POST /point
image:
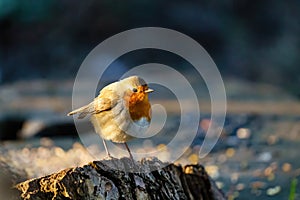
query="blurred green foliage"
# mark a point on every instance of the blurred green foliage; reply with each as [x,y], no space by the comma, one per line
[292,195]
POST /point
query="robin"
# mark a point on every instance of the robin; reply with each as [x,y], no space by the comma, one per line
[121,111]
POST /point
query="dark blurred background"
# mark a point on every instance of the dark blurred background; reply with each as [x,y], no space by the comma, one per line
[255,44]
[253,40]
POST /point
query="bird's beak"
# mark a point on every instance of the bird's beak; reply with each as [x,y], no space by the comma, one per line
[149,90]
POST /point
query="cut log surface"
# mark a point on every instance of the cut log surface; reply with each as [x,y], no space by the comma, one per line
[111,179]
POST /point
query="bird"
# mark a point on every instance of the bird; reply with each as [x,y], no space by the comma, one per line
[120,111]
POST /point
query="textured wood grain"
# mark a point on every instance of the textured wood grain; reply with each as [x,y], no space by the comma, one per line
[110,179]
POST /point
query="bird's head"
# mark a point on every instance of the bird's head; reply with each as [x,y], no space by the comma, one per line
[136,96]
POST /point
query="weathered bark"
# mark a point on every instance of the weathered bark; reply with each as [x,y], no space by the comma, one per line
[110,179]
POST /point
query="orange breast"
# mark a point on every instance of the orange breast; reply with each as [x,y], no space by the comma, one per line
[139,106]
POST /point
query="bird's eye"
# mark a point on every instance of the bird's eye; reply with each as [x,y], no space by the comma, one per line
[134,90]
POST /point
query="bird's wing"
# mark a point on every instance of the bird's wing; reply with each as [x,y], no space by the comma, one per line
[106,100]
[101,104]
[95,107]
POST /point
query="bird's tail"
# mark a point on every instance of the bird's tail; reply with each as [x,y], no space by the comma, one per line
[83,111]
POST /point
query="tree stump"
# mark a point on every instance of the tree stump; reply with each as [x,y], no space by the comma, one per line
[110,179]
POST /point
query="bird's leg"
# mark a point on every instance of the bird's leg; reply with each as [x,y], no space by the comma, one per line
[106,149]
[129,151]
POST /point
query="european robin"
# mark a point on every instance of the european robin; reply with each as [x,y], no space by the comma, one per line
[121,110]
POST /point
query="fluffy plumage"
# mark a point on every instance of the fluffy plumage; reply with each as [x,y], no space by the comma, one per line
[121,110]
